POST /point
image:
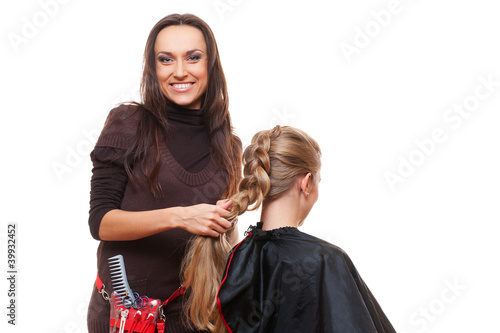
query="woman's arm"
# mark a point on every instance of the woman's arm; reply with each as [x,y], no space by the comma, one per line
[202,219]
[108,222]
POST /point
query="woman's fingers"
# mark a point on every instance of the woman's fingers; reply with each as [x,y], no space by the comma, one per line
[208,220]
[205,230]
[224,204]
[208,227]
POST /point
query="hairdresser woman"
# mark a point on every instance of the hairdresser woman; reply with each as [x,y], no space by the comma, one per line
[161,166]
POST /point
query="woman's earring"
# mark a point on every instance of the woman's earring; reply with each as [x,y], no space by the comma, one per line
[307,194]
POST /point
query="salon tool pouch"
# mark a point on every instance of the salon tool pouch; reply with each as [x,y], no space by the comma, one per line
[131,320]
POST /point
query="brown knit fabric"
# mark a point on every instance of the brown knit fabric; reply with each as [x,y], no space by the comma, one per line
[152,263]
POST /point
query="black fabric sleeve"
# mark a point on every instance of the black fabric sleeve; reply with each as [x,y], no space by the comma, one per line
[378,316]
[107,185]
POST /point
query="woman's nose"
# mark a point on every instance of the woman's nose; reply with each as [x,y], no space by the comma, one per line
[180,70]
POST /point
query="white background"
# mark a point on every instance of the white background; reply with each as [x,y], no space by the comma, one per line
[426,246]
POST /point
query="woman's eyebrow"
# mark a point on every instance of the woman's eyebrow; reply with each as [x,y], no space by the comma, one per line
[193,51]
[187,52]
[164,52]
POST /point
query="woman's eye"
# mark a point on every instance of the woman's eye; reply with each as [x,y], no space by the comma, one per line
[164,60]
[193,57]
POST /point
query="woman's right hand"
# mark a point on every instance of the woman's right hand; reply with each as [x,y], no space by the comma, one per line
[205,219]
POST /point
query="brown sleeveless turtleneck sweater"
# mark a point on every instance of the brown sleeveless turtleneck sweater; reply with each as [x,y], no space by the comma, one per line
[188,176]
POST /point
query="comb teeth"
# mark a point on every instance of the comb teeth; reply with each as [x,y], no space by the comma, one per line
[119,277]
[117,300]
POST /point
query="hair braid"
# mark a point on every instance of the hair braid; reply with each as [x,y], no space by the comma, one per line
[272,162]
[256,181]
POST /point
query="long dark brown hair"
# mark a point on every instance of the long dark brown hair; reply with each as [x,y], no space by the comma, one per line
[225,145]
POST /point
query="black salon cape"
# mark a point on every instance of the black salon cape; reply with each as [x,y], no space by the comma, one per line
[284,280]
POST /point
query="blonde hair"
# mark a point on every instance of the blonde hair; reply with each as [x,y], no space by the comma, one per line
[272,163]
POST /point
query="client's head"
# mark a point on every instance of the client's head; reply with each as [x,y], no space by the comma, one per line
[278,161]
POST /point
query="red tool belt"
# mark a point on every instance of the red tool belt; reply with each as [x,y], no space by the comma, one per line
[142,317]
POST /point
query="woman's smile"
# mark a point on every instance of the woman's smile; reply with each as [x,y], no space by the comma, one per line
[181,87]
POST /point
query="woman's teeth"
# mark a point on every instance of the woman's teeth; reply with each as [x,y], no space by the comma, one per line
[181,86]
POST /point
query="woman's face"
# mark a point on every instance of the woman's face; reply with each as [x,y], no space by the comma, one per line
[181,65]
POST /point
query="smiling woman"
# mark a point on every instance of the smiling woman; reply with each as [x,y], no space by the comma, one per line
[153,163]
[182,65]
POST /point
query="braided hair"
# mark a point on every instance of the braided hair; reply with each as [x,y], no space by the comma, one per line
[272,163]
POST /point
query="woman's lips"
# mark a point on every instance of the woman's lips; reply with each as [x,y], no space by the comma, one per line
[182,87]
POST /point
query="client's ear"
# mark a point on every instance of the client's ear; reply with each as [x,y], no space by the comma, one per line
[306,183]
